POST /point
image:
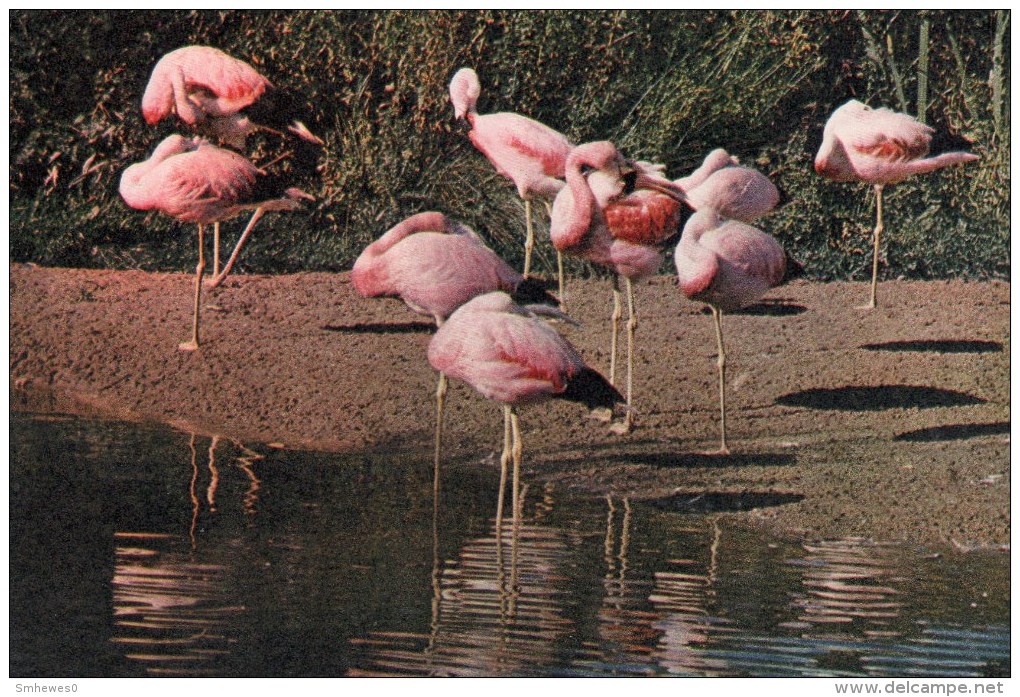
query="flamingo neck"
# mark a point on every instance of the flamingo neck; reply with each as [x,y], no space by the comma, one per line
[574,226]
[369,274]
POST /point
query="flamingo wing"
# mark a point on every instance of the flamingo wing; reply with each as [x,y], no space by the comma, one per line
[889,135]
[197,186]
[643,217]
[754,253]
[516,144]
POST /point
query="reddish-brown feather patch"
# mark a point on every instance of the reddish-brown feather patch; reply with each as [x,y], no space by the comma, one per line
[643,218]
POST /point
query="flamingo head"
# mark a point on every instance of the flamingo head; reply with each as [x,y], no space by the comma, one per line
[464,92]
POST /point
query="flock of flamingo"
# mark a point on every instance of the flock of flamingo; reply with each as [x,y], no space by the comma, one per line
[603,207]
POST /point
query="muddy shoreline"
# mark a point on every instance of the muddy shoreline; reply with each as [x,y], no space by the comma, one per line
[891,424]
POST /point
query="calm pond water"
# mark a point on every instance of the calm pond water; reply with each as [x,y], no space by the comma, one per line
[145,551]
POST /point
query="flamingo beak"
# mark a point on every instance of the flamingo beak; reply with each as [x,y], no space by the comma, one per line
[662,185]
[301,131]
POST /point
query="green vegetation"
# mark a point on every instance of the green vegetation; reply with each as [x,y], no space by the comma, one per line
[665,86]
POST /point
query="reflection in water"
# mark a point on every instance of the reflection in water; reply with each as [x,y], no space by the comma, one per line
[498,609]
[850,581]
[206,558]
[172,606]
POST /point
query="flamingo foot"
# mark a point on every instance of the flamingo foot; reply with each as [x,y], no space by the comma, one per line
[868,306]
[188,346]
[621,428]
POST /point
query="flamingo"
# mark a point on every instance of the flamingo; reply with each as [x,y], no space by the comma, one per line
[736,192]
[221,97]
[527,152]
[596,218]
[728,265]
[212,91]
[509,355]
[878,147]
[196,182]
[435,265]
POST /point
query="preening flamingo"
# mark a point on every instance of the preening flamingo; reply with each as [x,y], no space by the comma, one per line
[525,151]
[728,265]
[435,265]
[878,147]
[194,181]
[618,214]
[509,355]
[222,98]
[736,192]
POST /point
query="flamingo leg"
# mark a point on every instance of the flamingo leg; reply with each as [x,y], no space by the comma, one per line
[717,315]
[628,421]
[504,460]
[199,270]
[440,400]
[559,265]
[879,228]
[615,318]
[216,248]
[517,451]
[221,276]
[529,241]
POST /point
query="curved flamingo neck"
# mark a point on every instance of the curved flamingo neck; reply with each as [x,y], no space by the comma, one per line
[580,214]
[369,273]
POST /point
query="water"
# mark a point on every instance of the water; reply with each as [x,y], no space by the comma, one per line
[144,551]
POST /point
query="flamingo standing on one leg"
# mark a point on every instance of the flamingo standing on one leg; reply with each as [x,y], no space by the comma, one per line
[435,265]
[596,218]
[196,182]
[221,97]
[525,151]
[878,147]
[736,192]
[509,355]
[726,264]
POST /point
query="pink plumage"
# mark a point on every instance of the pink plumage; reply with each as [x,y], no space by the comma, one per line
[196,182]
[878,146]
[511,356]
[728,265]
[736,192]
[596,219]
[529,153]
[435,265]
[617,214]
[209,90]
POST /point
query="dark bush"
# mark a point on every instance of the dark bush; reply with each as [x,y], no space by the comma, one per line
[665,86]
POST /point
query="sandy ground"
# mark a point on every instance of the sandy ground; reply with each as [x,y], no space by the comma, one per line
[891,424]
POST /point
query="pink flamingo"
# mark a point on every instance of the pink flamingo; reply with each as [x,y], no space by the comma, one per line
[525,151]
[878,147]
[211,90]
[196,182]
[728,265]
[220,96]
[736,192]
[509,355]
[596,218]
[435,265]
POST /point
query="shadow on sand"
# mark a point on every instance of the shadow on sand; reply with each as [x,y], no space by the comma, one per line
[938,346]
[954,432]
[382,328]
[857,398]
